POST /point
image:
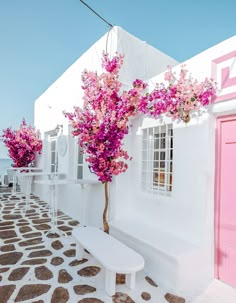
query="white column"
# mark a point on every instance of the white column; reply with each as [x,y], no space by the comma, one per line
[110,282]
[13,182]
[79,251]
[27,190]
[130,280]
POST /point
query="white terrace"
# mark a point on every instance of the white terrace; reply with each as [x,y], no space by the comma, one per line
[39,266]
[174,228]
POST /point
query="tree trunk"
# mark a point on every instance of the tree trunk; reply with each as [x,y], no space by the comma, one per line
[105,223]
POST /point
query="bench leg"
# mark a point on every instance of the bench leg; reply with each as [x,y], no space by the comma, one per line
[130,280]
[110,282]
[79,251]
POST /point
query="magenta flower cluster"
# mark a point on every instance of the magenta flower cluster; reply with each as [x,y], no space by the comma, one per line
[181,94]
[104,120]
[23,144]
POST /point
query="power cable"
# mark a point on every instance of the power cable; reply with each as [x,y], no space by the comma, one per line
[97,14]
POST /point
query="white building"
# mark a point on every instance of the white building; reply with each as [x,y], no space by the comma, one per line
[185,230]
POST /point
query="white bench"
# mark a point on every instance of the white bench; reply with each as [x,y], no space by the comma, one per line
[115,256]
[172,262]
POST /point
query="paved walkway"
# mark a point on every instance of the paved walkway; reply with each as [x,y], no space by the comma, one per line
[217,292]
[35,268]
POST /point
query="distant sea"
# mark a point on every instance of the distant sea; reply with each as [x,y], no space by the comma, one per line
[4,164]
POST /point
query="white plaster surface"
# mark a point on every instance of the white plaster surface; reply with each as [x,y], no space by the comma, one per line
[187,214]
[217,292]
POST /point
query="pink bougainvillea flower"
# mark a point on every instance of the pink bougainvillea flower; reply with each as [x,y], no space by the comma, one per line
[183,93]
[23,144]
[103,121]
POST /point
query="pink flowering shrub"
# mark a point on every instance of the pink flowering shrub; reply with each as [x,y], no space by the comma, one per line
[103,121]
[180,95]
[23,144]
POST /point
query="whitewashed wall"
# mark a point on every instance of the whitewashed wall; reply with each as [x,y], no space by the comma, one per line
[188,213]
[141,61]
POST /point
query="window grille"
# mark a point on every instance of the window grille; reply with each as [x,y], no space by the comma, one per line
[53,154]
[157,159]
[79,167]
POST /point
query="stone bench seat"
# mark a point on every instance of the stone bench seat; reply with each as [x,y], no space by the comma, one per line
[168,257]
[154,236]
[112,254]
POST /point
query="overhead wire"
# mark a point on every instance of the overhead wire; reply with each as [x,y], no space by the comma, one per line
[89,7]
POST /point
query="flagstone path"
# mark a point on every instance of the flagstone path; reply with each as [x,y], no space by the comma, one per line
[35,268]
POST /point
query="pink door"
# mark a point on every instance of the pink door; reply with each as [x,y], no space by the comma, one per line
[225,218]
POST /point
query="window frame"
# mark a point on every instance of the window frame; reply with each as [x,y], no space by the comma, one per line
[53,164]
[157,158]
[78,160]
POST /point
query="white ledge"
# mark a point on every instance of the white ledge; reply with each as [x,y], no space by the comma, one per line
[81,182]
[86,181]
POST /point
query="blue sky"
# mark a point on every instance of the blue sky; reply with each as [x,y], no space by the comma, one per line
[40,39]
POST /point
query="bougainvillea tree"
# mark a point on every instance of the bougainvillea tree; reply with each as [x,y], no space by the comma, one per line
[23,144]
[103,122]
[178,96]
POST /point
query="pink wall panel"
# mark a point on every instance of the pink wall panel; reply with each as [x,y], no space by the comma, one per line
[225,227]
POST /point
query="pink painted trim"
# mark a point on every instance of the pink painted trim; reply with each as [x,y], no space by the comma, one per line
[217,188]
[214,76]
[225,57]
[216,193]
[226,81]
[225,97]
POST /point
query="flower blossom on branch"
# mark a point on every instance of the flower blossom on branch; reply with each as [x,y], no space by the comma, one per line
[23,144]
[180,95]
[103,121]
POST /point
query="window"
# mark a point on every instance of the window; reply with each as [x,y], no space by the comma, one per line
[157,159]
[53,153]
[79,167]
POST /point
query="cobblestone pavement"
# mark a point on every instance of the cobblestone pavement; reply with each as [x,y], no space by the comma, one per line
[39,267]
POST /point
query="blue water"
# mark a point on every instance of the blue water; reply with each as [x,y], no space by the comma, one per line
[4,164]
